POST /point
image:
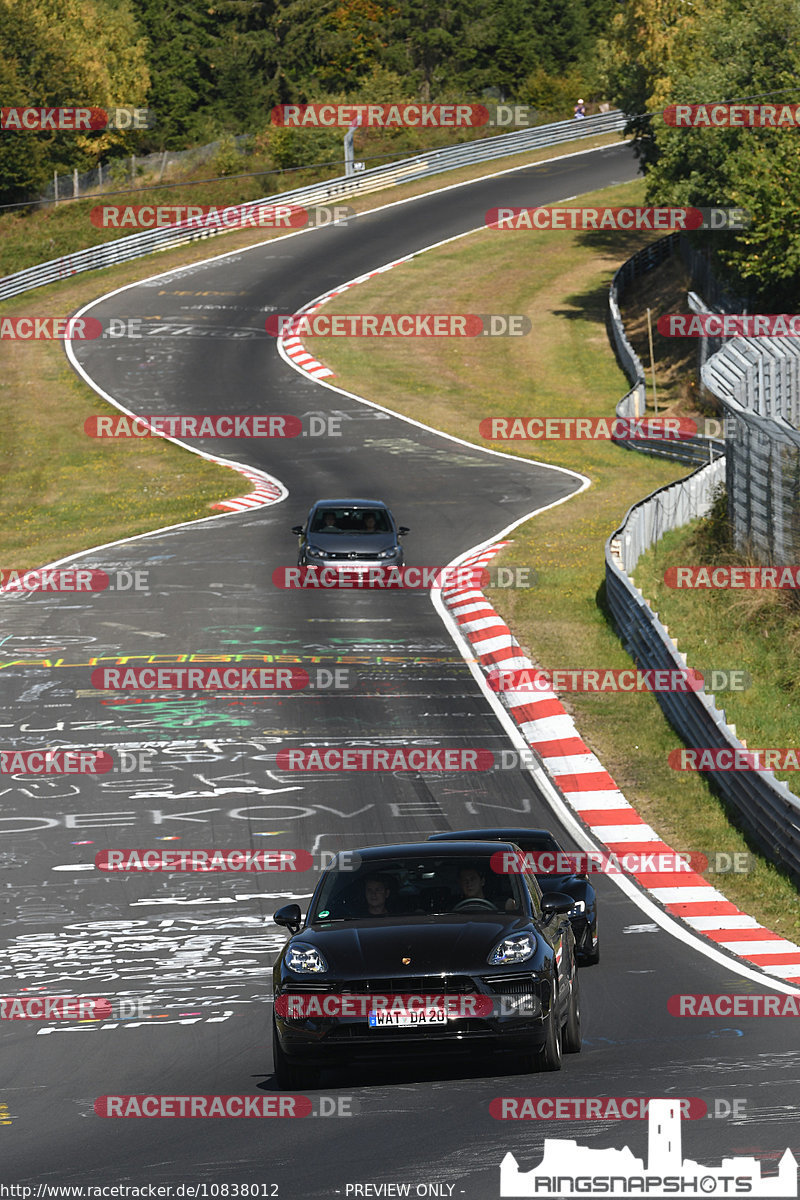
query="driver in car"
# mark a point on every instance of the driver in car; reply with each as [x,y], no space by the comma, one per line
[376,893]
[471,882]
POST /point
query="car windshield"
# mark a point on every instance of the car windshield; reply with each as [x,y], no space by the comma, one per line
[350,520]
[418,886]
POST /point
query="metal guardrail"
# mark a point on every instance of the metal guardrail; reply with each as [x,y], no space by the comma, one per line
[339,189]
[765,807]
[694,450]
[758,382]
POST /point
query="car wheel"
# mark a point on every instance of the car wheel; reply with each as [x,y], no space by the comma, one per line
[571,1038]
[591,957]
[549,1057]
[289,1076]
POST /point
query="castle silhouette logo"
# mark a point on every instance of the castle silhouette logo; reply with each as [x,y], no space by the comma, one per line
[568,1170]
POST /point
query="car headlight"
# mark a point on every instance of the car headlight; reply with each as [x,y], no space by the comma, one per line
[514,949]
[317,552]
[578,907]
[393,553]
[304,959]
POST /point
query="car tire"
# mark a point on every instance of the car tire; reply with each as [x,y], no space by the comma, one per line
[549,1057]
[591,957]
[571,1037]
[289,1076]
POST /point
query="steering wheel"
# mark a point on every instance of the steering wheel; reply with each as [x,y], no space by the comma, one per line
[474,902]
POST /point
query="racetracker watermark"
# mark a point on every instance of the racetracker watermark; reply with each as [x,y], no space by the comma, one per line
[380,758]
[730,758]
[210,218]
[190,679]
[733,1004]
[402,325]
[73,579]
[601,1108]
[351,574]
[726,116]
[617,679]
[55,762]
[581,429]
[733,578]
[203,1106]
[404,115]
[729,325]
[74,120]
[582,679]
[596,862]
[210,425]
[54,1008]
[628,219]
[259,861]
[49,329]
[303,1006]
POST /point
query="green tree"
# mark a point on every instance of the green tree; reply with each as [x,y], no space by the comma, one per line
[737,50]
[67,53]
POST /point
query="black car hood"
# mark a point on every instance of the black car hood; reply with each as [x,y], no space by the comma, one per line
[442,945]
[352,543]
[560,883]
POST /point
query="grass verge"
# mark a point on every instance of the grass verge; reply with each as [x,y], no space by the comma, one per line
[565,367]
[62,491]
[28,238]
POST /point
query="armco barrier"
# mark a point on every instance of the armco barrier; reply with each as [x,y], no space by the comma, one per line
[694,450]
[758,382]
[764,806]
[339,189]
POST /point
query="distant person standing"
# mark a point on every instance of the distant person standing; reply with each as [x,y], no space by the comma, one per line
[580,111]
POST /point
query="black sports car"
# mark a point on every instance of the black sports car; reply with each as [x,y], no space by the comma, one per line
[583,913]
[350,532]
[425,949]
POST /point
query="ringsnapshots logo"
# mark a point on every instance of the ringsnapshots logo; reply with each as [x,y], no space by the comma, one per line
[74,120]
[629,219]
[583,429]
[569,1170]
[398,325]
[729,116]
[213,219]
[729,325]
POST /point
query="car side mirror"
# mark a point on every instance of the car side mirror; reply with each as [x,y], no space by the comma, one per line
[298,529]
[555,902]
[290,916]
[401,529]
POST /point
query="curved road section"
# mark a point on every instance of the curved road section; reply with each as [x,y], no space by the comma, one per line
[185,959]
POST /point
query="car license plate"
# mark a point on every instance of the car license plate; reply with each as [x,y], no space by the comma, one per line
[380,1018]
